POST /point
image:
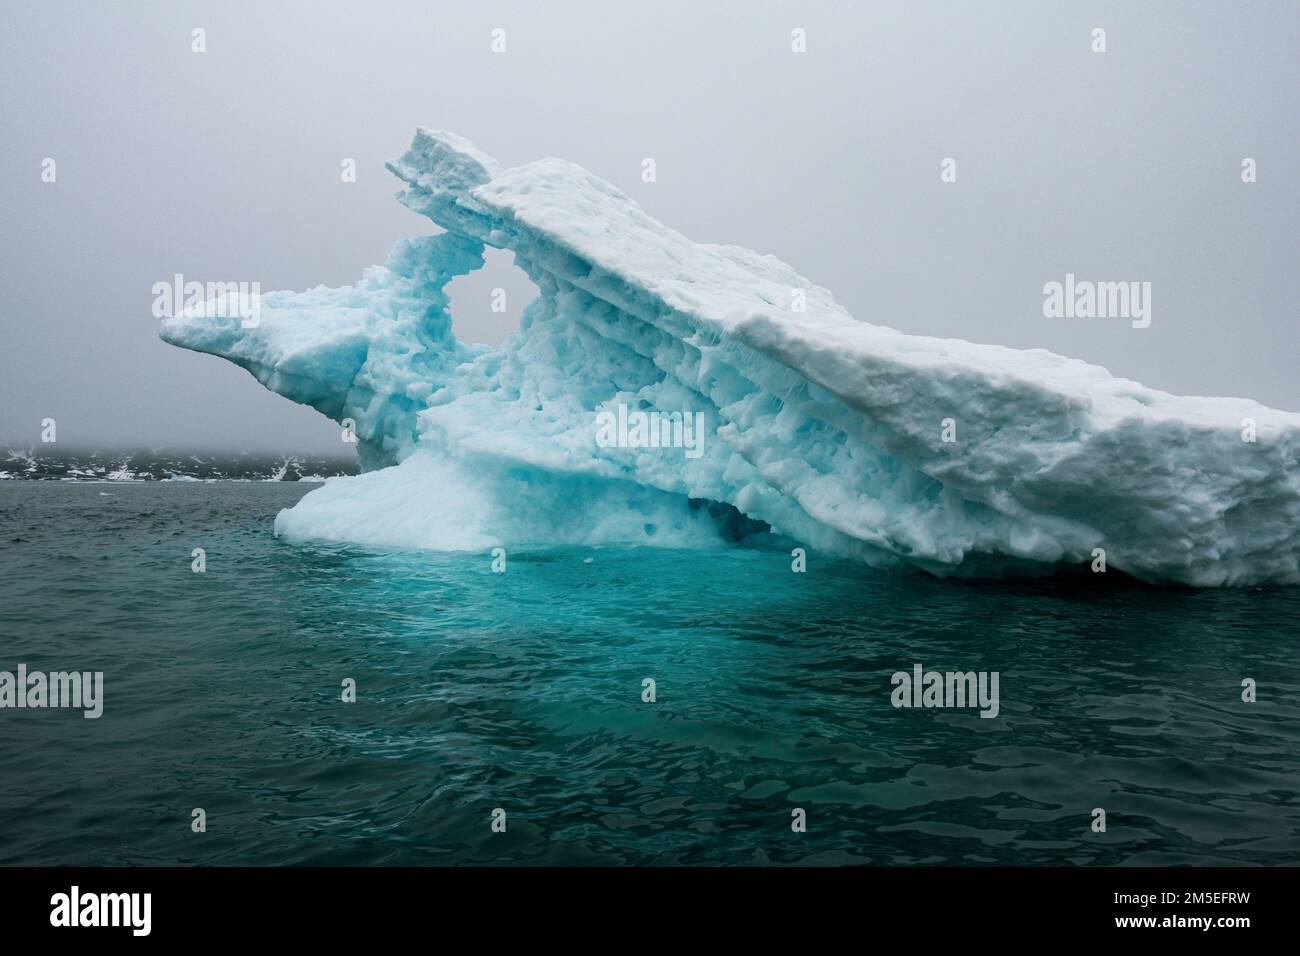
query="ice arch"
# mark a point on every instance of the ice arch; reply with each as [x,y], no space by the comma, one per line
[825,430]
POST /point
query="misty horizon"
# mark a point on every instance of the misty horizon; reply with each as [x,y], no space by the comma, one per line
[1122,166]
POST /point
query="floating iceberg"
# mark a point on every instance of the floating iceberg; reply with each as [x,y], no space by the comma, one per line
[810,428]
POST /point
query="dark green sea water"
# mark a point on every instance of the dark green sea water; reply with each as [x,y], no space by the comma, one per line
[523,691]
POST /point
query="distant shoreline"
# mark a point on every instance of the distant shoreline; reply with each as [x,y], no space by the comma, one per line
[120,467]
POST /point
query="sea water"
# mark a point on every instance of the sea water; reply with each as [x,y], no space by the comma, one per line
[525,692]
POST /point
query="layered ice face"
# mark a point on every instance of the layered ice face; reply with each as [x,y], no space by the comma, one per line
[667,392]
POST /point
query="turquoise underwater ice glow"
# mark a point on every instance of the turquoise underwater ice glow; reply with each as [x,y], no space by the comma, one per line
[853,439]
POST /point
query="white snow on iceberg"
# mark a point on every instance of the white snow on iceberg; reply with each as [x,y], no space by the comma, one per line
[818,430]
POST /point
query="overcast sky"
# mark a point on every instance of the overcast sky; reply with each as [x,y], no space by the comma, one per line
[1123,165]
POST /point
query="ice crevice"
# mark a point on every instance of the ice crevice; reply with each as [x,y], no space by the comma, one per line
[818,431]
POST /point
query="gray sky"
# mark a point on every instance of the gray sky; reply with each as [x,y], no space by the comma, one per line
[225,166]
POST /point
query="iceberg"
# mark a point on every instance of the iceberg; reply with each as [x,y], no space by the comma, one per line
[806,427]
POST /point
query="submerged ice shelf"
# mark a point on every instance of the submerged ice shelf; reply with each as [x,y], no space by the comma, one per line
[817,429]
